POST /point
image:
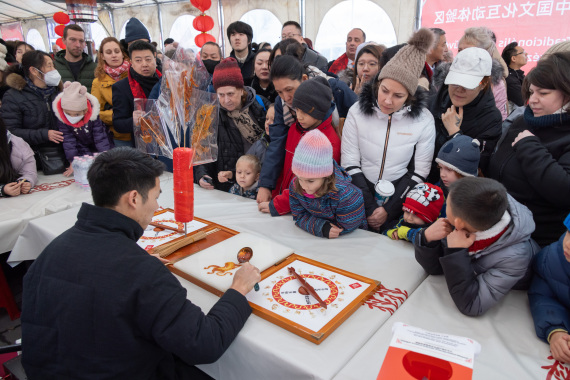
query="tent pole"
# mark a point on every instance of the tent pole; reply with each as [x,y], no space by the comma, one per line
[221,24]
[160,25]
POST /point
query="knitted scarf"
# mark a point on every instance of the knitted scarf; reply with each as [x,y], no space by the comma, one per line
[554,120]
[116,73]
[43,92]
[141,86]
[289,115]
[246,125]
[485,238]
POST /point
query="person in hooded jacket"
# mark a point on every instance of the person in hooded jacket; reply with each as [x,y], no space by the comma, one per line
[465,104]
[483,247]
[241,123]
[389,134]
[533,158]
[27,106]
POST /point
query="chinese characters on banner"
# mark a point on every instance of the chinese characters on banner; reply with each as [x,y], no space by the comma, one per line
[534,24]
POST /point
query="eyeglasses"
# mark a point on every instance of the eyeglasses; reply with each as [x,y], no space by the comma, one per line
[522,52]
[285,36]
[371,65]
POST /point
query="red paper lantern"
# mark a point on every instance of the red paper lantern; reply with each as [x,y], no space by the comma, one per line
[202,38]
[59,30]
[203,23]
[202,5]
[61,18]
[59,42]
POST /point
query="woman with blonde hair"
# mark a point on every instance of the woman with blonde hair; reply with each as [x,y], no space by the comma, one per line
[481,37]
[112,65]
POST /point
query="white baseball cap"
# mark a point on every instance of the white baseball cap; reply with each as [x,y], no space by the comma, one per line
[469,67]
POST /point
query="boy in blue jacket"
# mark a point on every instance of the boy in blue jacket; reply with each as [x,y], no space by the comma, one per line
[549,295]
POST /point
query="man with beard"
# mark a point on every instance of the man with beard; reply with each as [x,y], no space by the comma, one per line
[72,63]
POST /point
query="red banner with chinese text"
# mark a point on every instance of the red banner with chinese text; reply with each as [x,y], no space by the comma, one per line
[534,24]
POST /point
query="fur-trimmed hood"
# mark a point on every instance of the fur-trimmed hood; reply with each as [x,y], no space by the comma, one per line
[95,108]
[367,101]
[17,82]
[442,70]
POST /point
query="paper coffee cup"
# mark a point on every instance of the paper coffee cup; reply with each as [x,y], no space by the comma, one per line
[383,191]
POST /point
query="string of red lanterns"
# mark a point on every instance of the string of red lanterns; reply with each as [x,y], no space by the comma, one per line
[203,23]
[61,18]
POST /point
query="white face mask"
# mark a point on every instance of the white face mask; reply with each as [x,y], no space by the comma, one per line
[51,78]
[73,119]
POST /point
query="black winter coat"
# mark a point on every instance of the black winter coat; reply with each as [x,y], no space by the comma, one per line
[247,67]
[230,142]
[536,171]
[482,120]
[96,305]
[26,113]
[123,106]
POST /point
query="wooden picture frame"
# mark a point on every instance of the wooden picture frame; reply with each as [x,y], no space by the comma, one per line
[319,336]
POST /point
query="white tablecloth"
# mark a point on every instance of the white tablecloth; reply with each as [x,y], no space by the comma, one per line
[54,193]
[509,346]
[263,350]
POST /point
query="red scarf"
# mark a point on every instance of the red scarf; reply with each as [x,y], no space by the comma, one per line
[117,73]
[136,88]
[339,65]
[429,71]
[486,238]
[81,122]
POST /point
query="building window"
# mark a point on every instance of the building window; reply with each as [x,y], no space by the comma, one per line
[35,39]
[266,26]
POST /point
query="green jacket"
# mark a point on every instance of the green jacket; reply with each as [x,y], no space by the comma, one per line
[86,74]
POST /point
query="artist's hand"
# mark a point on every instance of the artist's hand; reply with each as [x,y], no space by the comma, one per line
[334,232]
[522,135]
[263,195]
[460,239]
[395,235]
[137,116]
[68,171]
[12,189]
[263,207]
[25,187]
[377,218]
[225,176]
[559,346]
[205,185]
[438,230]
[245,278]
[55,136]
[452,119]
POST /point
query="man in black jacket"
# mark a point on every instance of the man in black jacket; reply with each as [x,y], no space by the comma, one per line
[96,305]
[143,75]
[515,57]
[292,29]
[240,35]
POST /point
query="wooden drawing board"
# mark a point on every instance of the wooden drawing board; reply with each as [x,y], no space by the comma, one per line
[153,238]
[279,300]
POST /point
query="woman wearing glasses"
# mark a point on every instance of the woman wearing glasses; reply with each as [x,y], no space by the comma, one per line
[366,66]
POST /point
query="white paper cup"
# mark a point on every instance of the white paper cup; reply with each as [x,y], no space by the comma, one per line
[383,191]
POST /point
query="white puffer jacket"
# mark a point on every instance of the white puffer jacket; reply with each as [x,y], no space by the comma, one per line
[411,136]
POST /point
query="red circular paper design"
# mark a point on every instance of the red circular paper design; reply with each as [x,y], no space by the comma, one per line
[203,23]
[202,5]
[202,38]
[280,300]
[61,17]
[172,233]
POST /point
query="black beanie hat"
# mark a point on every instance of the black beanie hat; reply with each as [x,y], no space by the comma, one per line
[135,30]
[314,97]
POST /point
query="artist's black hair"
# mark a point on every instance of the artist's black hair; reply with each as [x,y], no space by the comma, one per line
[120,170]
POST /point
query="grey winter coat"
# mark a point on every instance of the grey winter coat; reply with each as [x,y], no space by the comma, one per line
[478,282]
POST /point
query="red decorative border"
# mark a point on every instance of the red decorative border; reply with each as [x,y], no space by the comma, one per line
[280,300]
[178,225]
[51,186]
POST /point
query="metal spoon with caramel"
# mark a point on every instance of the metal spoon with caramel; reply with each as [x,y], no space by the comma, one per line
[244,255]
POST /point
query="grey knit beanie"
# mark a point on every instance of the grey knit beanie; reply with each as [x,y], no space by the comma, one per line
[461,154]
[407,65]
[314,97]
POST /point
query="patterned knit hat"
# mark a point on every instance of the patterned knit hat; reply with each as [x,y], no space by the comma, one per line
[567,222]
[314,97]
[227,73]
[424,200]
[314,156]
[407,65]
[135,30]
[74,98]
[460,154]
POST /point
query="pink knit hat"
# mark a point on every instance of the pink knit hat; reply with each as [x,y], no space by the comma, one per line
[74,98]
[314,156]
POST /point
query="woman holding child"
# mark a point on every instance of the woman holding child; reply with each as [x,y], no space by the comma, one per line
[389,135]
[533,158]
[241,124]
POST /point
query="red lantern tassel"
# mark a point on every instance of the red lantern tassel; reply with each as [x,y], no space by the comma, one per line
[183,185]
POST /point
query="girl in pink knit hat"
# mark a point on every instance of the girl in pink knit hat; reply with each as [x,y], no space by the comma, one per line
[78,119]
[323,200]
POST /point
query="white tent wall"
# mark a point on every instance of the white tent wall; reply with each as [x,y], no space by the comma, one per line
[40,25]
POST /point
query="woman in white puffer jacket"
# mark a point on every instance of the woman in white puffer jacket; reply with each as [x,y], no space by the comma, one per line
[390,124]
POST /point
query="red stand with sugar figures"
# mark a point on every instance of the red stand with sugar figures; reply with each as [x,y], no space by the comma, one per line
[183,185]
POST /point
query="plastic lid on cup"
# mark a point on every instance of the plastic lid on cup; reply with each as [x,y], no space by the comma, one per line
[385,188]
